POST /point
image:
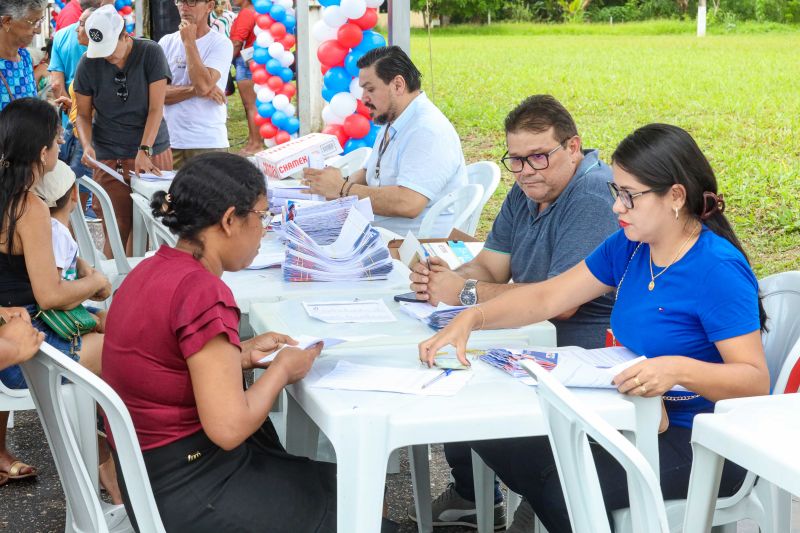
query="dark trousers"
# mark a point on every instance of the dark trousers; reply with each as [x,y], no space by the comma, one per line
[527,466]
[459,457]
[257,486]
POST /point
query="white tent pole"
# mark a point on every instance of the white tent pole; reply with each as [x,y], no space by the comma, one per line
[400,24]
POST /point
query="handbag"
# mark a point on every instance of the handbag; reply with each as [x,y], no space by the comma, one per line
[69,325]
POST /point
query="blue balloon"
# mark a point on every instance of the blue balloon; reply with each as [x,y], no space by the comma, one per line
[327,94]
[130,27]
[266,109]
[279,119]
[292,125]
[354,144]
[274,67]
[262,7]
[351,60]
[369,41]
[261,55]
[286,74]
[370,137]
[337,79]
[326,3]
[290,22]
[119,4]
[278,13]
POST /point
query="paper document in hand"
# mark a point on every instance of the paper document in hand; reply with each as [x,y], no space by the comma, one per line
[572,366]
[107,169]
[356,377]
[307,341]
[358,311]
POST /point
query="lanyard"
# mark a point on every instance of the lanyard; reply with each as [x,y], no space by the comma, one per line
[381,149]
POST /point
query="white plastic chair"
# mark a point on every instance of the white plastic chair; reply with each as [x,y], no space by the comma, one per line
[351,162]
[115,269]
[487,175]
[757,499]
[569,423]
[157,233]
[464,201]
[76,461]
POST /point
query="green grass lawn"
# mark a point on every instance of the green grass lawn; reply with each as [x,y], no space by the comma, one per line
[737,92]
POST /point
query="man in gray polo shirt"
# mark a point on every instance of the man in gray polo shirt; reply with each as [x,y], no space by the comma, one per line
[556,213]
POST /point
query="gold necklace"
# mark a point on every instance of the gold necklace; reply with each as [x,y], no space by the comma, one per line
[652,284]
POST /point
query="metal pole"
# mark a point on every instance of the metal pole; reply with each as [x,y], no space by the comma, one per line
[400,24]
[701,18]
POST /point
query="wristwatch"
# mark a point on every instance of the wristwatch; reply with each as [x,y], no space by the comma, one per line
[148,150]
[469,294]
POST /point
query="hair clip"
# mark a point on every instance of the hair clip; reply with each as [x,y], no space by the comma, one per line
[4,163]
[717,204]
[165,207]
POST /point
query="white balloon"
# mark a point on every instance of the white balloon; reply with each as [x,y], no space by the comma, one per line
[280,101]
[258,30]
[374,3]
[290,109]
[355,89]
[258,87]
[265,95]
[290,11]
[333,16]
[322,32]
[264,39]
[343,104]
[286,59]
[353,9]
[329,117]
[276,50]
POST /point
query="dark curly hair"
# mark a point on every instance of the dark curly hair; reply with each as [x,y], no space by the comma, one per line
[203,189]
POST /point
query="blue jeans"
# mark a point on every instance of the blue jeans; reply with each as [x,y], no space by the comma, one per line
[71,153]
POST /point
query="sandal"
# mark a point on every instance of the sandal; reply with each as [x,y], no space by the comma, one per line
[16,467]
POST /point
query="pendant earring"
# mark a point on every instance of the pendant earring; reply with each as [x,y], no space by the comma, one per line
[676,212]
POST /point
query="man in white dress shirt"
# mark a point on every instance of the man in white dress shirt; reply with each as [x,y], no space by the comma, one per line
[417,157]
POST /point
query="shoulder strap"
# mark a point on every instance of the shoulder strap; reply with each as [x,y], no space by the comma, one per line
[10,94]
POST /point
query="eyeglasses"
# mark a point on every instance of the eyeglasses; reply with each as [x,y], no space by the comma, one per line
[535,161]
[191,3]
[625,195]
[122,91]
[36,23]
[265,217]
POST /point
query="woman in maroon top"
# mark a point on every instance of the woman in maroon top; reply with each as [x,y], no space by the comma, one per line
[173,353]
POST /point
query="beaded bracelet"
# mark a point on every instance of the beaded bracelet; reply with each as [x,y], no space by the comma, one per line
[344,183]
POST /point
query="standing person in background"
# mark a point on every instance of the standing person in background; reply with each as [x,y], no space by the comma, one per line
[198,58]
[122,81]
[243,37]
[222,17]
[20,20]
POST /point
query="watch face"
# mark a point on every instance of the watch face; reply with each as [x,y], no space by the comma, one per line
[468,298]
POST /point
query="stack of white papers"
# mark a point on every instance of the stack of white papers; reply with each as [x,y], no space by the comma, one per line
[352,376]
[353,311]
[322,221]
[436,317]
[166,175]
[266,260]
[279,193]
[357,254]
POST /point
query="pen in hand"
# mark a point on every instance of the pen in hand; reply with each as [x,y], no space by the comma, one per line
[444,373]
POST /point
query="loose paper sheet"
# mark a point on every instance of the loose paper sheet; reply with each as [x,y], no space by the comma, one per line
[342,312]
[352,376]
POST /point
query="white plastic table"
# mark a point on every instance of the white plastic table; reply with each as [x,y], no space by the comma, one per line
[760,434]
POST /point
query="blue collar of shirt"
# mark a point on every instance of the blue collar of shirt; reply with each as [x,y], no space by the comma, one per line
[408,114]
[591,159]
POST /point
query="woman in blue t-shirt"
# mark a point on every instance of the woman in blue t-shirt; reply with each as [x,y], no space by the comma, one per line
[686,298]
[20,20]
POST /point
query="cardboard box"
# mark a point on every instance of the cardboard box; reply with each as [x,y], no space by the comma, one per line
[291,157]
[455,235]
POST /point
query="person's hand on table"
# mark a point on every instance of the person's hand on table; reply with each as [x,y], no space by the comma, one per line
[144,163]
[261,346]
[455,334]
[326,182]
[437,284]
[648,378]
[295,363]
[21,340]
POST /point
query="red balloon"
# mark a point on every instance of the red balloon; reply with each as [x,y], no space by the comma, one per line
[362,109]
[278,30]
[274,83]
[368,20]
[349,35]
[264,21]
[282,137]
[127,10]
[253,66]
[356,126]
[324,69]
[331,53]
[288,41]
[260,76]
[338,131]
[259,120]
[289,90]
[268,130]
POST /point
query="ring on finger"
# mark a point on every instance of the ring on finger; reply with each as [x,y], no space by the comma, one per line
[644,389]
[636,380]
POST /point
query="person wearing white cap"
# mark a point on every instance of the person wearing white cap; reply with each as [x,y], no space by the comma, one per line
[121,81]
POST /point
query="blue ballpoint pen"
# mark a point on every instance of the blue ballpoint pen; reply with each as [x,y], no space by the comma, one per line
[444,373]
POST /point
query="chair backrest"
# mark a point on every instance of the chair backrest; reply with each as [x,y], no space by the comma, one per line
[88,251]
[110,220]
[156,231]
[487,175]
[464,201]
[569,422]
[350,162]
[780,295]
[789,378]
[44,376]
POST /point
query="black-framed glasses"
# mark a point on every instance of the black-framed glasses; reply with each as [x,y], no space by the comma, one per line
[265,216]
[536,161]
[625,196]
[121,79]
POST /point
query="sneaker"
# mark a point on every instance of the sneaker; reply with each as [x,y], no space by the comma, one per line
[450,509]
[524,519]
